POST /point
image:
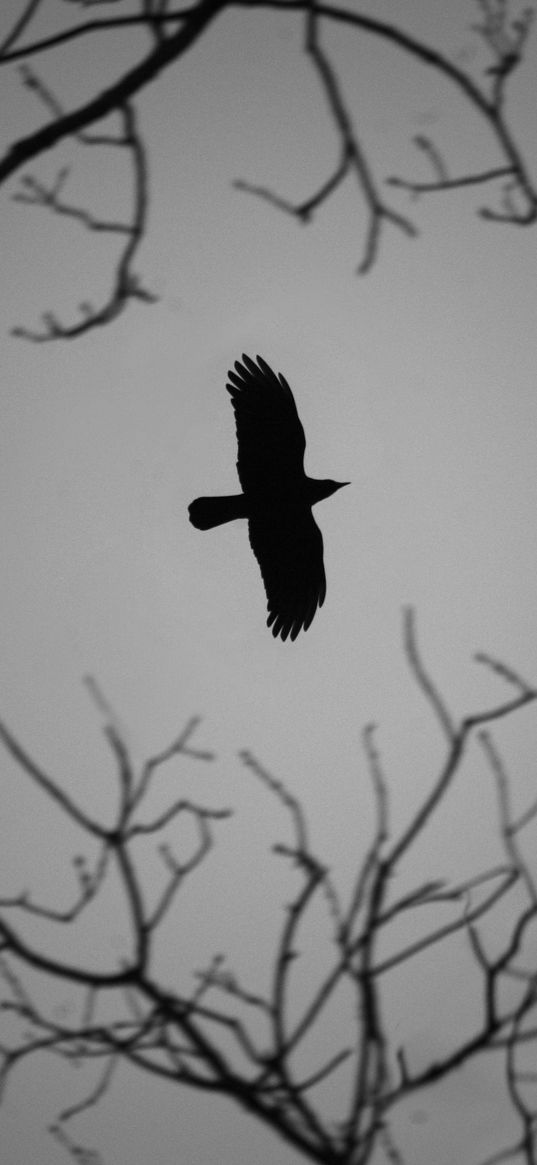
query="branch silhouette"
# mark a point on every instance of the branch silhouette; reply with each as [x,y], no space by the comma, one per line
[173,32]
[224,1035]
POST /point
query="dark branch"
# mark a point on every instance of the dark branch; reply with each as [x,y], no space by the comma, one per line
[126,285]
[116,95]
[173,33]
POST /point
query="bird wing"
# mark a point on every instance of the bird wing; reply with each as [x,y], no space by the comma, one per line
[288,546]
[270,436]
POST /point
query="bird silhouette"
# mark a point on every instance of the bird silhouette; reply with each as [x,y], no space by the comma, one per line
[277,497]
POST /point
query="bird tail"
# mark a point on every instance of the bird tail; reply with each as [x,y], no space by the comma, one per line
[204,513]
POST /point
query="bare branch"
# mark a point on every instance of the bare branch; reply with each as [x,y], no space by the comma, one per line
[290,803]
[177,748]
[90,883]
[99,1091]
[32,957]
[220,1036]
[102,704]
[443,181]
[505,39]
[198,811]
[429,690]
[21,23]
[443,932]
[508,829]
[126,284]
[352,157]
[352,151]
[90,27]
[506,673]
[116,95]
[371,862]
[179,870]
[47,785]
[174,32]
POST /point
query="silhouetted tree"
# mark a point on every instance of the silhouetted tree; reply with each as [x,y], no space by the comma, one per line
[174,30]
[218,1035]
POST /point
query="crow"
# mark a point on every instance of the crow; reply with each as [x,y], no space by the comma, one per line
[277,497]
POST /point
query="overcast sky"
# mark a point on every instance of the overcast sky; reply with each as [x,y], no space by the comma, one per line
[415,383]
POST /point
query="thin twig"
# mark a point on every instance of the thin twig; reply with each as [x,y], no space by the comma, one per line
[125,284]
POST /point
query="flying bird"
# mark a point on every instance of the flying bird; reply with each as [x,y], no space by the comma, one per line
[277,496]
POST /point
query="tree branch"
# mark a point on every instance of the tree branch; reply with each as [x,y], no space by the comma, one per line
[205,1038]
[174,32]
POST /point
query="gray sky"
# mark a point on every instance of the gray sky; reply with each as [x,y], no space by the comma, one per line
[416,384]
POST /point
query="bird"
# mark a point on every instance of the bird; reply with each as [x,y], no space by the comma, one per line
[277,496]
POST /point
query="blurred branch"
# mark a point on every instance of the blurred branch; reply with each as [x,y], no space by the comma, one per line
[115,96]
[173,31]
[46,784]
[457,736]
[352,156]
[443,181]
[22,22]
[427,686]
[88,28]
[89,883]
[249,1044]
[126,284]
[505,37]
[508,828]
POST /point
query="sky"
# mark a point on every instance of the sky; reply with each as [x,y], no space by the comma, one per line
[414,383]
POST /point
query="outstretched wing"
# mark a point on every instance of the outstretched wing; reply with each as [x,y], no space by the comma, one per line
[270,437]
[288,546]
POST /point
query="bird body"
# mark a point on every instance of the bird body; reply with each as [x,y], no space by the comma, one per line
[277,496]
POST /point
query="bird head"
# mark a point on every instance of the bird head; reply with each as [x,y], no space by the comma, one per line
[324,487]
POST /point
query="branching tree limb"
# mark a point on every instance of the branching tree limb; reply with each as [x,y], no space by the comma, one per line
[34,193]
[175,30]
[220,1034]
[352,156]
